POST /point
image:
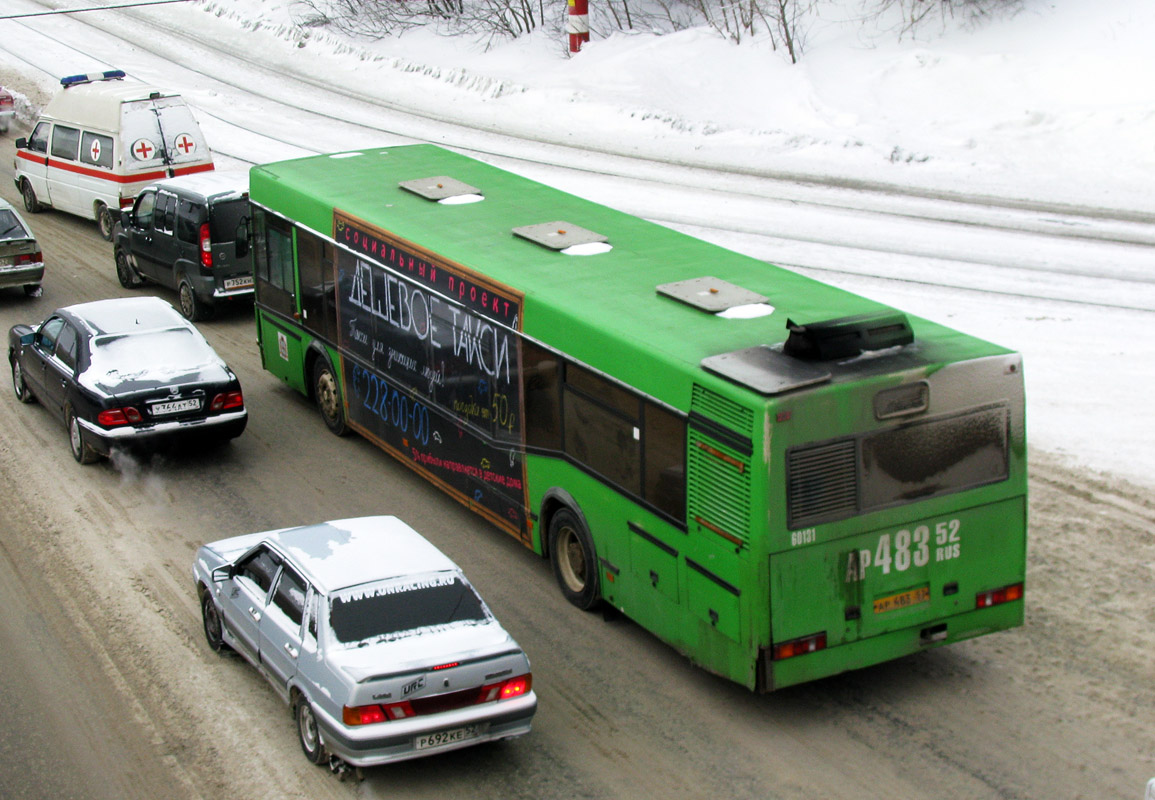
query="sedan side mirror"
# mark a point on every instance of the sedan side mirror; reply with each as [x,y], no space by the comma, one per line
[223,573]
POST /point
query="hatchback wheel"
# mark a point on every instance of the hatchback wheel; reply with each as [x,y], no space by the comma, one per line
[81,450]
[309,733]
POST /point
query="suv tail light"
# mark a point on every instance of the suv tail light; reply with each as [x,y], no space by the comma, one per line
[206,247]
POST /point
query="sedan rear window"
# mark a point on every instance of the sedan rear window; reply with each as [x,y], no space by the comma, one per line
[396,610]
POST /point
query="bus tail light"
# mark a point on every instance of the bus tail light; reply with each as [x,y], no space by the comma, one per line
[206,247]
[799,647]
[998,596]
[112,417]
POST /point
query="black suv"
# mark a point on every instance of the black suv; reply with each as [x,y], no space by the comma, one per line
[190,234]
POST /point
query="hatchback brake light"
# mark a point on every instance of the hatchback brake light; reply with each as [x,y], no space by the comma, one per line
[112,417]
[206,247]
[999,596]
[29,258]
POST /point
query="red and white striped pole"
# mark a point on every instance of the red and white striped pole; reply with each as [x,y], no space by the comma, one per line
[578,24]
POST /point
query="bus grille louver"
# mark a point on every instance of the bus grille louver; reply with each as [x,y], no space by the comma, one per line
[821,483]
[724,412]
[720,489]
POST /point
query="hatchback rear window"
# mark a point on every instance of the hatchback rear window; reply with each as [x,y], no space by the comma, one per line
[10,227]
[396,610]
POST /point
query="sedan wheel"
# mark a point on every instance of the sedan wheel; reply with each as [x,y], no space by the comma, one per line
[309,733]
[23,393]
[80,448]
[212,622]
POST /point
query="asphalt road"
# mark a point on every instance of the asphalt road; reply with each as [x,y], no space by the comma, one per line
[110,691]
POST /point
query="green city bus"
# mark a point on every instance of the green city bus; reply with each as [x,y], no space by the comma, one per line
[781,479]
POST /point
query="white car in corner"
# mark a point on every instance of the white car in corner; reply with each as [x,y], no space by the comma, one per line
[373,636]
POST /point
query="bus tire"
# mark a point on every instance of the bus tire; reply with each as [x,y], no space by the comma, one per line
[574,560]
[327,393]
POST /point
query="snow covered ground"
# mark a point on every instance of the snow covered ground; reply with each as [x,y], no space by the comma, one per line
[1053,105]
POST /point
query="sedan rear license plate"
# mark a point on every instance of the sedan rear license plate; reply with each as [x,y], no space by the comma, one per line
[452,736]
[239,283]
[175,407]
[902,600]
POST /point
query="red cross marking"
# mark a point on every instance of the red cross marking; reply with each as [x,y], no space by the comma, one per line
[185,144]
[143,150]
[95,151]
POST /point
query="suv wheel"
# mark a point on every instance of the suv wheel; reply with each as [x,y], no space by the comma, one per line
[129,278]
[193,308]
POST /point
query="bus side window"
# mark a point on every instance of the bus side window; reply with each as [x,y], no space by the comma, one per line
[602,429]
[664,448]
[273,262]
[541,379]
[315,259]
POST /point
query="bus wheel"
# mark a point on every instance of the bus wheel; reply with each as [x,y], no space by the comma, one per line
[574,560]
[328,394]
[31,204]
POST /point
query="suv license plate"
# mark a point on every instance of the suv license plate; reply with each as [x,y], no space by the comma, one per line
[239,283]
[174,407]
[442,738]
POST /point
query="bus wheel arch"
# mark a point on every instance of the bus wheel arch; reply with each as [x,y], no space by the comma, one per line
[572,554]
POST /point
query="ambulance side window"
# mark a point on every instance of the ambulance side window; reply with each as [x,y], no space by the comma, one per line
[145,205]
[38,141]
[65,142]
[165,213]
[96,149]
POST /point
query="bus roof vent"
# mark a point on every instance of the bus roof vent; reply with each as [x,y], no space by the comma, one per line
[710,294]
[559,235]
[765,370]
[847,337]
[440,187]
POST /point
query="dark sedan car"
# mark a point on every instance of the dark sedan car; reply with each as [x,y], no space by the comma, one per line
[129,374]
[21,262]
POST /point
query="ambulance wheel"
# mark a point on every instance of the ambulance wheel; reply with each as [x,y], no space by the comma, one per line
[31,204]
[105,222]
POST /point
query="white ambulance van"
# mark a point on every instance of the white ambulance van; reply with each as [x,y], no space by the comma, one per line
[100,141]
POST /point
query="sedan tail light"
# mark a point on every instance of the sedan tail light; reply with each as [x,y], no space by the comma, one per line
[227,400]
[112,417]
[384,712]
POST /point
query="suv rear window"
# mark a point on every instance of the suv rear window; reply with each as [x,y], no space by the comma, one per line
[228,220]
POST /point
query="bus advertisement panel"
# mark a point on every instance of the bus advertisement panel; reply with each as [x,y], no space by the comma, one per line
[420,336]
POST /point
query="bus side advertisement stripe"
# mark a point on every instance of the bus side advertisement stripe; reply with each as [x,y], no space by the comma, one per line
[729,587]
[655,541]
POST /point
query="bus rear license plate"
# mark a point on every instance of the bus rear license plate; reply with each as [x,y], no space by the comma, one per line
[902,600]
[238,283]
[174,407]
[452,736]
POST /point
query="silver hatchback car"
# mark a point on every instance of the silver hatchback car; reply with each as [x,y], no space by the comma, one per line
[373,636]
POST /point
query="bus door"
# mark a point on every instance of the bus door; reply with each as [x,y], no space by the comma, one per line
[282,345]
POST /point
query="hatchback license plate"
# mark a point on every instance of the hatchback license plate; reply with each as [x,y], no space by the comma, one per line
[442,738]
[902,600]
[239,283]
[175,407]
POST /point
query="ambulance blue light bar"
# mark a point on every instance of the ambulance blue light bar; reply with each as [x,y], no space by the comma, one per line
[108,75]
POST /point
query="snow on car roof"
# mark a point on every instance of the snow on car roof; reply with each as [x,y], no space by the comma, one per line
[127,315]
[349,552]
[210,184]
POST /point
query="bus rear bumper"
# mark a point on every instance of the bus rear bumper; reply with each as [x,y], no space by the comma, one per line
[886,647]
